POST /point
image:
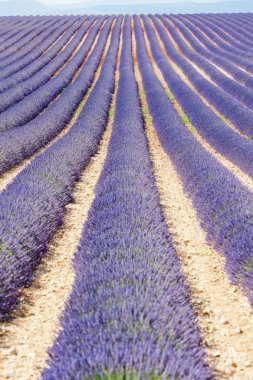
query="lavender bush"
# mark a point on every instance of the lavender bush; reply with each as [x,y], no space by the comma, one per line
[128,315]
[223,204]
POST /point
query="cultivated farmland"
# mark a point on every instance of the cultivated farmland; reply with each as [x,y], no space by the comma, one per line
[126,197]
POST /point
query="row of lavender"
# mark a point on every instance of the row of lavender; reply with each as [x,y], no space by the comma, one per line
[32,207]
[30,106]
[10,41]
[19,91]
[224,205]
[213,53]
[28,223]
[223,142]
[129,300]
[236,39]
[224,101]
[24,67]
[24,80]
[20,143]
[236,90]
[15,43]
[216,132]
[128,315]
[219,42]
[239,87]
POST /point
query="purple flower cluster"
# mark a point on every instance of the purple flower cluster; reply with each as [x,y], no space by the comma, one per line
[20,33]
[32,206]
[224,205]
[18,29]
[25,81]
[231,108]
[28,108]
[243,21]
[238,74]
[20,143]
[214,130]
[236,90]
[128,315]
[24,50]
[238,57]
[22,39]
[15,69]
[237,45]
[237,36]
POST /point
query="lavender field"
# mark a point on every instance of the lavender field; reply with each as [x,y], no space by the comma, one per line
[126,197]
